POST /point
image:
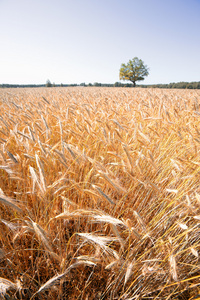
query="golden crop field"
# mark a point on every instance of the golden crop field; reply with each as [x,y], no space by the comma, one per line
[99,193]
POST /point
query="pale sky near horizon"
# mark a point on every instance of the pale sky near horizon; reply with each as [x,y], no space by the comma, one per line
[75,41]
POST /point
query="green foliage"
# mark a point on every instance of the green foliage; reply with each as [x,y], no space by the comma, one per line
[117,84]
[97,84]
[175,85]
[134,70]
[48,83]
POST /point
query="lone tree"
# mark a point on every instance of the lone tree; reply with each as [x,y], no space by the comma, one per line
[134,70]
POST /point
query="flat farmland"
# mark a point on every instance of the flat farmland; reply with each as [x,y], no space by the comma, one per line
[99,193]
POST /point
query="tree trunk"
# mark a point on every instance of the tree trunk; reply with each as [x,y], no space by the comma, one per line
[134,83]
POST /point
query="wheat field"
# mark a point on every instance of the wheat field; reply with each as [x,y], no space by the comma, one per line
[99,193]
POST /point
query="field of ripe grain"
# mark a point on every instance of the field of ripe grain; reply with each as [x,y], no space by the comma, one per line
[99,193]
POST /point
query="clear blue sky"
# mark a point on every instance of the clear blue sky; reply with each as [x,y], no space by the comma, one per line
[75,41]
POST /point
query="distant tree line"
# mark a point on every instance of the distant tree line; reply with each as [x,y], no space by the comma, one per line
[173,85]
[7,85]
[176,85]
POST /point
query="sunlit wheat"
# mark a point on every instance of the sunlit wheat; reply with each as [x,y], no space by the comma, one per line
[99,193]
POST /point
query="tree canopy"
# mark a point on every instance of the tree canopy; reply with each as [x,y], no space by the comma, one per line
[48,83]
[134,70]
